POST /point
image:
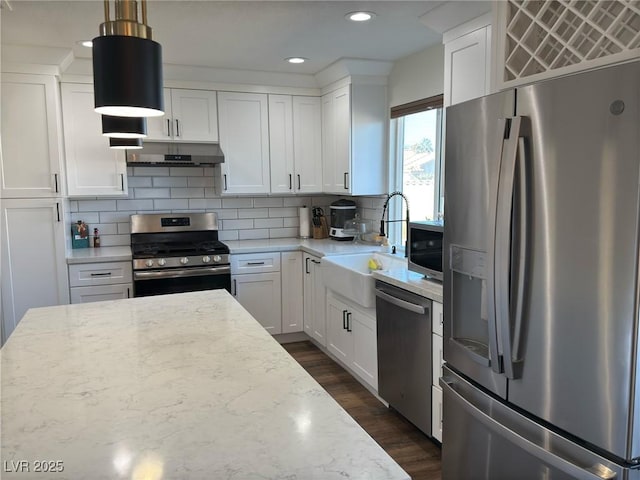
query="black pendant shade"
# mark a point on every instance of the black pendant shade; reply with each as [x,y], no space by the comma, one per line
[125,143]
[124,127]
[127,76]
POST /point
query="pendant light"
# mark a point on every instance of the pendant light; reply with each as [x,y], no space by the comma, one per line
[124,127]
[127,64]
[125,143]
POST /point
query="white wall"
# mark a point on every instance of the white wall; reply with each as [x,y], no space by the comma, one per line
[417,76]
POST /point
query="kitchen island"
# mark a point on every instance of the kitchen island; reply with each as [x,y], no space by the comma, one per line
[184,386]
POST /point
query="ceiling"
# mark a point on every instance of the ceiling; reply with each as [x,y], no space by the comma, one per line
[249,35]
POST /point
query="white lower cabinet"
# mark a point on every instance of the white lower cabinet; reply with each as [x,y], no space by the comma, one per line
[314,299]
[436,364]
[351,338]
[256,284]
[100,293]
[96,282]
[34,272]
[292,291]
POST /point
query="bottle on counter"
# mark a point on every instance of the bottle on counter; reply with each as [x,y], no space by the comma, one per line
[96,238]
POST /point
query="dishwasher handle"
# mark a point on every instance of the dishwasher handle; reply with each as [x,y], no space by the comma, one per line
[412,307]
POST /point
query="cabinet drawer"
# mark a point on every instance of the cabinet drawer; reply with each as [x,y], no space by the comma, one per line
[436,413]
[437,318]
[100,293]
[437,361]
[88,274]
[255,263]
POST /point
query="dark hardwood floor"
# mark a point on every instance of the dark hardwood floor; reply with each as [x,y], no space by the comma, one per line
[407,445]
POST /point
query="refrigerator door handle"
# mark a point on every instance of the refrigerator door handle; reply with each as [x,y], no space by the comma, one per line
[518,296]
[489,285]
[560,463]
[503,246]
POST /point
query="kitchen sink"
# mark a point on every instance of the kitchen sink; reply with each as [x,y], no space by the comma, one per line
[350,276]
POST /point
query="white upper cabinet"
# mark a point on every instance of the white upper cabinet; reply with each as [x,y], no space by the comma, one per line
[467,61]
[93,169]
[295,136]
[244,139]
[355,120]
[307,144]
[281,143]
[190,116]
[31,138]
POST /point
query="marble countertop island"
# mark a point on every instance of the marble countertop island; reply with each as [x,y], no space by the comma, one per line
[185,386]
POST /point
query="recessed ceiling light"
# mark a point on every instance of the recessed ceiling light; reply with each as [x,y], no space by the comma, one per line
[85,43]
[296,59]
[360,16]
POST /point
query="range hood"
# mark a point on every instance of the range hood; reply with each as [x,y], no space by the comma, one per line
[175,154]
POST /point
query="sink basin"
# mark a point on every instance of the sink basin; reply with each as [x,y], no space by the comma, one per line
[349,275]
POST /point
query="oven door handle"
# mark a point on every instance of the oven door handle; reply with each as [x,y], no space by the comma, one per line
[183,272]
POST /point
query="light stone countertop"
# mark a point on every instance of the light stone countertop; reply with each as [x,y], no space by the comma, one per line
[319,248]
[411,281]
[98,255]
[183,386]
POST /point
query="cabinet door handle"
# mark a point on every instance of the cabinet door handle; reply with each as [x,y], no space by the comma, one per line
[344,179]
[235,288]
[306,265]
[55,181]
[168,127]
[177,127]
[298,181]
[255,263]
[344,319]
[317,262]
[225,181]
[58,210]
[348,321]
[128,292]
[122,181]
[441,319]
[290,182]
[106,274]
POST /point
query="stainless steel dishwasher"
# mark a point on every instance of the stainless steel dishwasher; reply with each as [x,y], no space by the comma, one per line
[404,353]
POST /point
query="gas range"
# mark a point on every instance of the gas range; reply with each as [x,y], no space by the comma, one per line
[170,250]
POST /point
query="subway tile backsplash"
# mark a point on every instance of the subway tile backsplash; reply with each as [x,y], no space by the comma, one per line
[191,189]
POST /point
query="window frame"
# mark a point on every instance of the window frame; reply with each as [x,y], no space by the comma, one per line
[396,207]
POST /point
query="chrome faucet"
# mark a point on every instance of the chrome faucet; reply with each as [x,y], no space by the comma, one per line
[382,220]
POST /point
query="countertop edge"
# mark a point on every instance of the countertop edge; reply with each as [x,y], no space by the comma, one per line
[430,290]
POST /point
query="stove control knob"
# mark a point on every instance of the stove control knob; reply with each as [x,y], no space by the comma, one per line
[217,258]
[149,263]
[206,259]
[162,262]
[184,260]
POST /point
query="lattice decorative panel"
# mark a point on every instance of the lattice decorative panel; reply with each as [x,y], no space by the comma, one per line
[547,35]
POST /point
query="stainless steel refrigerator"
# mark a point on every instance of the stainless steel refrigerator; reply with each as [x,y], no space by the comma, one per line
[541,282]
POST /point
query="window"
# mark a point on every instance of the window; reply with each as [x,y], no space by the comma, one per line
[417,166]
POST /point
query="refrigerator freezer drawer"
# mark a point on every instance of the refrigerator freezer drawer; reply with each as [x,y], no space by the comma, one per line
[485,439]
